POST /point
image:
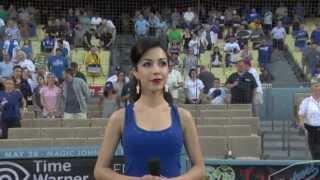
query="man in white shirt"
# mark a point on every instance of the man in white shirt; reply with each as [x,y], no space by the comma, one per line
[278,34]
[189,16]
[174,81]
[216,94]
[24,62]
[309,113]
[96,20]
[267,21]
[258,96]
[114,78]
[231,48]
[193,88]
[194,44]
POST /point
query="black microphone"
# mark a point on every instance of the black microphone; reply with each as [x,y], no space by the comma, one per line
[154,167]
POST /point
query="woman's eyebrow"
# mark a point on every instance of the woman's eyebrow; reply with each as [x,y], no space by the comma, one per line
[147,59]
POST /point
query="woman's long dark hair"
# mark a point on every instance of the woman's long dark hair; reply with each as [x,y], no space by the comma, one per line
[137,51]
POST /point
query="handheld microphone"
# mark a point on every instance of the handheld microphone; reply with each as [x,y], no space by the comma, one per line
[154,167]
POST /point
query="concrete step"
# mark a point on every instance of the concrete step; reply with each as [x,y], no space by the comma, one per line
[278,145]
[277,136]
[283,155]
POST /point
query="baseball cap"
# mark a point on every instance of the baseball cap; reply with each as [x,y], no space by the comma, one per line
[108,85]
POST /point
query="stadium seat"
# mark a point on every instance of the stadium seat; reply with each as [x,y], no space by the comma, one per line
[239,106]
[98,122]
[213,147]
[94,141]
[25,143]
[211,131]
[81,132]
[69,142]
[212,121]
[46,123]
[57,132]
[16,133]
[245,147]
[94,114]
[76,123]
[238,130]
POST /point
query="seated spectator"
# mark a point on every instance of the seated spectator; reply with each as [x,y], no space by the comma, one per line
[10,46]
[174,82]
[78,74]
[27,48]
[193,88]
[154,21]
[23,62]
[281,12]
[71,18]
[107,33]
[301,37]
[64,45]
[75,95]
[79,32]
[174,52]
[87,38]
[317,72]
[50,96]
[257,36]
[12,30]
[190,61]
[195,44]
[11,102]
[141,27]
[242,85]
[253,16]
[187,36]
[311,58]
[217,94]
[22,84]
[114,78]
[243,36]
[176,17]
[27,75]
[265,76]
[175,35]
[118,86]
[231,49]
[108,103]
[264,54]
[57,64]
[93,62]
[6,67]
[36,97]
[315,35]
[96,20]
[188,17]
[47,44]
[207,78]
[125,94]
[216,57]
[296,23]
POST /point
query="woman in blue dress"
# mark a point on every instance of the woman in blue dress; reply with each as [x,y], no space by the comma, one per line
[152,128]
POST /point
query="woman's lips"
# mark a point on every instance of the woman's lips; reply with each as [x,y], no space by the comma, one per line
[156,81]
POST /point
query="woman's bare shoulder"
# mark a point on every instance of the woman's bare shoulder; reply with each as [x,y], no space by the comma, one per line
[185,117]
[117,118]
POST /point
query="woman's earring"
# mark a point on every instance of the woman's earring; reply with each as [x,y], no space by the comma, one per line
[166,88]
[138,89]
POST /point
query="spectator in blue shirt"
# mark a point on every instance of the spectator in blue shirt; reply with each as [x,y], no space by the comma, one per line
[301,38]
[315,35]
[57,64]
[47,44]
[11,100]
[6,67]
[141,27]
[264,54]
[252,16]
[27,48]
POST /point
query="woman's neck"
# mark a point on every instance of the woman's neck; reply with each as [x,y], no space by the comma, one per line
[152,99]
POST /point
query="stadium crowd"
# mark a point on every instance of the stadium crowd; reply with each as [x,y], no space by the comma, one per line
[58,89]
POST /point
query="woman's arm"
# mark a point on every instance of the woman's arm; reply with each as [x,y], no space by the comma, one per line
[110,142]
[192,144]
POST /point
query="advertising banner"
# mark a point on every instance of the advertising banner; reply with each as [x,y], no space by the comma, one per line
[54,168]
[297,171]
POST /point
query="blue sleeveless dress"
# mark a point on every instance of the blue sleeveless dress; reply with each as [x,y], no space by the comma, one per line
[140,146]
